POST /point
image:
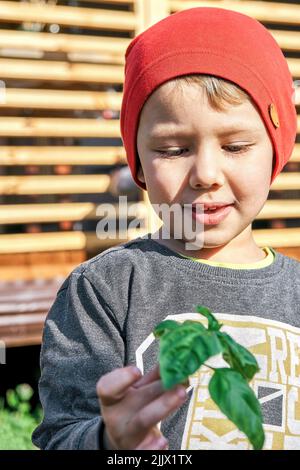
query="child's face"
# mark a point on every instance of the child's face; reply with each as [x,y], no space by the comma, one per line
[211,163]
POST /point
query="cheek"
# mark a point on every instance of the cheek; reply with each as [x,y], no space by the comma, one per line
[252,188]
[163,180]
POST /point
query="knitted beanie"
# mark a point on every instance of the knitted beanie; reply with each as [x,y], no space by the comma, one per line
[213,41]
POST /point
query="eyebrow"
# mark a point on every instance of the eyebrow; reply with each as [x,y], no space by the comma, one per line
[163,134]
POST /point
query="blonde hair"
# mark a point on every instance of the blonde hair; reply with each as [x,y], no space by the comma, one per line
[219,92]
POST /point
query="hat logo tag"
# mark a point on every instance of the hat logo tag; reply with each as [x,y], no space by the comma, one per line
[274,115]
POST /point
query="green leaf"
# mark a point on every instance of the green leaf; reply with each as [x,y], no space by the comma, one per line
[238,357]
[24,408]
[232,394]
[213,324]
[164,327]
[195,325]
[183,350]
[12,399]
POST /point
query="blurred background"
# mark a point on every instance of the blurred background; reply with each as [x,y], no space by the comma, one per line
[61,157]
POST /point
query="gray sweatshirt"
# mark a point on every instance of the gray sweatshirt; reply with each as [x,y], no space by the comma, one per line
[103,318]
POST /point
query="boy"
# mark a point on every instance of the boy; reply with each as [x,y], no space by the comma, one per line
[207,119]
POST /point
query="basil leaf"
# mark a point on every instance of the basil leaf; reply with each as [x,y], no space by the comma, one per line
[231,392]
[164,327]
[213,324]
[183,351]
[238,357]
[12,399]
[195,325]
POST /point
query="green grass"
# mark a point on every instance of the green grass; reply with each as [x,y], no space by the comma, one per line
[17,421]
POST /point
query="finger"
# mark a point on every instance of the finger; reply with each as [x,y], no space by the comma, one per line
[112,386]
[151,439]
[158,443]
[137,399]
[148,378]
[158,410]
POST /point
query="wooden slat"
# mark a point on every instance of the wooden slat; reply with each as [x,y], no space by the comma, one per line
[62,155]
[40,266]
[32,258]
[35,242]
[49,42]
[281,237]
[33,297]
[60,99]
[38,271]
[150,12]
[23,306]
[55,241]
[287,40]
[67,15]
[296,154]
[287,209]
[23,330]
[54,184]
[31,213]
[286,181]
[59,127]
[23,309]
[294,67]
[283,13]
[61,71]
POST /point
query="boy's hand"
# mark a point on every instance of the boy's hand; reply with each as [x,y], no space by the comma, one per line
[132,405]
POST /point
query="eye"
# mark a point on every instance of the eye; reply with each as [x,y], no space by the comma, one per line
[237,148]
[171,153]
[177,152]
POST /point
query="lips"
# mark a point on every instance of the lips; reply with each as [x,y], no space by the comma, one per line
[210,207]
[212,210]
[212,217]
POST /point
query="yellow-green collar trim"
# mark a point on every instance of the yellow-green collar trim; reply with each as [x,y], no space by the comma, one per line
[257,265]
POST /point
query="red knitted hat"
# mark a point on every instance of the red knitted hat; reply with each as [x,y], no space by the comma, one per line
[214,41]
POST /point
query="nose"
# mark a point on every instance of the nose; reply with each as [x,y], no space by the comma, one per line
[206,169]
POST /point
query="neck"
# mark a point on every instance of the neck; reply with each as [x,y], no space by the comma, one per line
[241,249]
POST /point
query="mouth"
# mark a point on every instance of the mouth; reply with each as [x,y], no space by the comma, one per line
[212,216]
[210,209]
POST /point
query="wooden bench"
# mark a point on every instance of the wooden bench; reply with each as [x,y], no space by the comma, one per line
[23,309]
